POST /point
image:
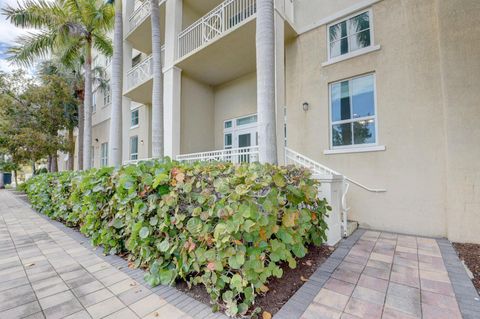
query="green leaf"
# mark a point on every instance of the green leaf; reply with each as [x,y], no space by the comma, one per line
[236,282]
[236,261]
[279,180]
[164,245]
[117,223]
[154,220]
[144,232]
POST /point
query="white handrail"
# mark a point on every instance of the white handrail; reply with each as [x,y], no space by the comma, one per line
[140,14]
[319,168]
[224,17]
[234,155]
[132,162]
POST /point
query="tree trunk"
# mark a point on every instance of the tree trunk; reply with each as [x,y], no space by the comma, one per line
[157,91]
[54,163]
[115,144]
[81,128]
[87,137]
[34,167]
[16,178]
[265,42]
[71,149]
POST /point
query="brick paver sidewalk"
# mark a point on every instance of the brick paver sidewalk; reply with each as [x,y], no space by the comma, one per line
[45,273]
[389,276]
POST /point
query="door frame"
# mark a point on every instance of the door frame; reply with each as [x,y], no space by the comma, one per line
[230,126]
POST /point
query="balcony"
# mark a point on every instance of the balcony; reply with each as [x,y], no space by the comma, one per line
[140,28]
[139,80]
[223,19]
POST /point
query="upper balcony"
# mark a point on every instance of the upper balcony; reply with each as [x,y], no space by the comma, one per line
[139,80]
[139,32]
[223,19]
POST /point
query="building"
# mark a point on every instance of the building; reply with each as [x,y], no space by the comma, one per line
[382,91]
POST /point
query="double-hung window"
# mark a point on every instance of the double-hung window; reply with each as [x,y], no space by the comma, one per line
[104,155]
[353,119]
[134,119]
[107,94]
[350,35]
[134,148]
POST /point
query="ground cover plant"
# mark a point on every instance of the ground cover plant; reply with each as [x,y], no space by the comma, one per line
[227,227]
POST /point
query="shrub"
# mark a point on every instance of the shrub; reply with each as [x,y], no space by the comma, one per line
[227,227]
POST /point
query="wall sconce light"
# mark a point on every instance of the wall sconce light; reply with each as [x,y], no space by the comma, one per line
[305,106]
[96,140]
[141,142]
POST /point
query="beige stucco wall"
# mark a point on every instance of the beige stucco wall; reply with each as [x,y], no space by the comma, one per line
[460,62]
[234,99]
[197,117]
[100,131]
[410,118]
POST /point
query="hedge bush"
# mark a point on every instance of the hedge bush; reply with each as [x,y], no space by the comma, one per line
[225,226]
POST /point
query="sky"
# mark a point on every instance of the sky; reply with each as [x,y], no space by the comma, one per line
[8,34]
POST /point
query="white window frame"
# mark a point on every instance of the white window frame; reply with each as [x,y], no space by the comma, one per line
[104,154]
[351,54]
[353,147]
[133,156]
[235,127]
[107,95]
[138,117]
[94,102]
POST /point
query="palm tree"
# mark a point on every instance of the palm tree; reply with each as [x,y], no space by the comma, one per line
[115,143]
[265,42]
[73,111]
[75,27]
[157,91]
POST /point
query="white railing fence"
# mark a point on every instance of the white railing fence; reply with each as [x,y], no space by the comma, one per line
[295,158]
[142,71]
[234,155]
[139,15]
[221,19]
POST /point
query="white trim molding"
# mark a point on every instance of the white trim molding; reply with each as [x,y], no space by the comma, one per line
[351,55]
[365,149]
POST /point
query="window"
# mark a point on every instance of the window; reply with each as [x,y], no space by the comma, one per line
[136,60]
[240,132]
[107,95]
[104,155]
[349,35]
[94,102]
[108,60]
[353,112]
[133,148]
[134,118]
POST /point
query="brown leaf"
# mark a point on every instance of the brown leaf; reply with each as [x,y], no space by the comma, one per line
[211,266]
[303,278]
[30,265]
[308,263]
[266,315]
[264,288]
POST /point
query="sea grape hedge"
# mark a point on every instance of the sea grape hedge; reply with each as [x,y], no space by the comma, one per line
[225,226]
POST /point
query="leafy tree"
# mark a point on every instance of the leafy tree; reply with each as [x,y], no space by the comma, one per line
[72,27]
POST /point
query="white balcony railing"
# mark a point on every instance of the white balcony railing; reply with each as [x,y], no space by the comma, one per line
[234,155]
[142,71]
[224,17]
[139,15]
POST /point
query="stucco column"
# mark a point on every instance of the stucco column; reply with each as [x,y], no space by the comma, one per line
[280,85]
[128,8]
[172,78]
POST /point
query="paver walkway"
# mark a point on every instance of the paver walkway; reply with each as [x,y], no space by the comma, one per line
[45,273]
[389,276]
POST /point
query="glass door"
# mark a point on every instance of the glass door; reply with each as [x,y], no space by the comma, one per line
[245,138]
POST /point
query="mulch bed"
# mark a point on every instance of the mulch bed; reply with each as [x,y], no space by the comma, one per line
[470,254]
[280,289]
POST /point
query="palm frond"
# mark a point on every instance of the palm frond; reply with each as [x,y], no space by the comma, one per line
[33,14]
[102,43]
[32,46]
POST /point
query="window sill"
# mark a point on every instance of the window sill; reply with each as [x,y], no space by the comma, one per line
[351,55]
[376,148]
[134,127]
